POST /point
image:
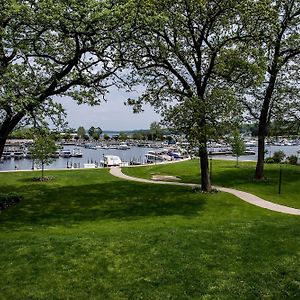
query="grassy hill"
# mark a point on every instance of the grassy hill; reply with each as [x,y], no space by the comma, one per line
[88,235]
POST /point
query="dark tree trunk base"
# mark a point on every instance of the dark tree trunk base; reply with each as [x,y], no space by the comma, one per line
[205,178]
[259,171]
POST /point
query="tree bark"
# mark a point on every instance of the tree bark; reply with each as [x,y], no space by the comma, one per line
[259,171]
[6,128]
[204,168]
[263,126]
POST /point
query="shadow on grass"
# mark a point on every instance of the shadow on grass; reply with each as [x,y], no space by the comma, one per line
[68,205]
[232,176]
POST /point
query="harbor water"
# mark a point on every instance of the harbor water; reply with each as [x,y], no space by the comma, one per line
[136,154]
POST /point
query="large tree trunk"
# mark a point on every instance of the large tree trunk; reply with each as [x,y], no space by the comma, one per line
[263,127]
[204,168]
[42,171]
[265,114]
[259,171]
[6,128]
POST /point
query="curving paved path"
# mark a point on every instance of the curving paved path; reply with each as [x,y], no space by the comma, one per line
[252,199]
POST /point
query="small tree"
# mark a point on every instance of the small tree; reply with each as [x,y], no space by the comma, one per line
[155,131]
[67,136]
[106,137]
[42,148]
[95,136]
[91,131]
[138,135]
[237,145]
[123,136]
[278,156]
[99,131]
[81,132]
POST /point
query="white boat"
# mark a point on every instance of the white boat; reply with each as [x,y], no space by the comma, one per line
[76,153]
[251,143]
[111,161]
[112,147]
[66,153]
[55,154]
[28,154]
[6,155]
[18,155]
[154,158]
[175,155]
[123,146]
[250,151]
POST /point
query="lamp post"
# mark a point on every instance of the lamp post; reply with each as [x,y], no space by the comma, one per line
[210,168]
[280,180]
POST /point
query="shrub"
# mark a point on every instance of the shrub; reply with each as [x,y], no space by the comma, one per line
[269,160]
[10,199]
[278,156]
[292,159]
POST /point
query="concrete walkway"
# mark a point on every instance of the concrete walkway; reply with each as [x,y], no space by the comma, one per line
[252,199]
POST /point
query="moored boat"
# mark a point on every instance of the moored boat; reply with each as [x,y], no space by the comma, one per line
[123,146]
[19,155]
[76,153]
[66,153]
[154,158]
[111,161]
[6,155]
[55,154]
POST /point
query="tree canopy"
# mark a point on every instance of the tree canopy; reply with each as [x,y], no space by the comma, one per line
[53,48]
[277,97]
[184,52]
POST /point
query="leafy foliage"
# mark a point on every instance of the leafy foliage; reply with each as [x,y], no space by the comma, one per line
[42,148]
[276,97]
[123,136]
[237,145]
[278,156]
[81,132]
[186,55]
[292,159]
[155,131]
[54,48]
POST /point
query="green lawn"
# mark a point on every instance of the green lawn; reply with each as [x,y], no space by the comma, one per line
[224,173]
[88,235]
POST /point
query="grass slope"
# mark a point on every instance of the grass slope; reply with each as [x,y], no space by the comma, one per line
[224,173]
[88,235]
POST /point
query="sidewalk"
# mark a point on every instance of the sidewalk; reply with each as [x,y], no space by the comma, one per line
[247,197]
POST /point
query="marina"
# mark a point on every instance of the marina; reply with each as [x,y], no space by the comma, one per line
[90,155]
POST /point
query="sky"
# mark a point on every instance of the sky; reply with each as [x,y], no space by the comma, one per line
[111,115]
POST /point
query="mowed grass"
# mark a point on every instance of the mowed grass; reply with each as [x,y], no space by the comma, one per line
[224,173]
[88,235]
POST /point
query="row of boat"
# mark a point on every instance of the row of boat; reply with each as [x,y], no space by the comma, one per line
[121,146]
[27,154]
[163,155]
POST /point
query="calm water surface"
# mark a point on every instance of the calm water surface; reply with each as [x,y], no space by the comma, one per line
[89,155]
[134,153]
